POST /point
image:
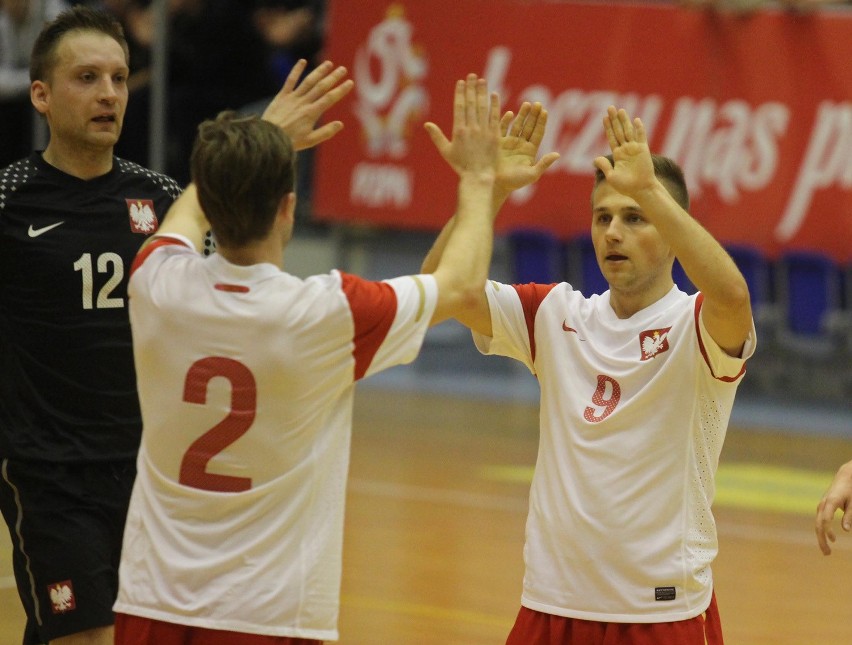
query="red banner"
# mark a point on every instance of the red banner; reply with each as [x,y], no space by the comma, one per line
[757,110]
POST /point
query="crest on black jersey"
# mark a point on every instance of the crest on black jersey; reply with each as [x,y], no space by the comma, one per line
[142,217]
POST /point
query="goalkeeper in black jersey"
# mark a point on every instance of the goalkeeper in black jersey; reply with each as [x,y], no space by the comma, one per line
[71,220]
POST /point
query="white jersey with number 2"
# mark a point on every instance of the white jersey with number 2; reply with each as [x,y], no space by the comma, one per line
[246,377]
[633,416]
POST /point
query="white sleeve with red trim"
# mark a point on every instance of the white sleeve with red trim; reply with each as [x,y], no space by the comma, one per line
[415,307]
[183,239]
[722,364]
[171,240]
[390,318]
[512,321]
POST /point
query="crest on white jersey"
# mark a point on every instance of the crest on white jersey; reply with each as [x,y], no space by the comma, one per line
[653,342]
[62,596]
[143,219]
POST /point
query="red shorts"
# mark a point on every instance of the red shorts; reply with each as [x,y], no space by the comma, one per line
[537,628]
[134,630]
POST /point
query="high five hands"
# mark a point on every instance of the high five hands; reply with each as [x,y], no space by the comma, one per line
[519,141]
[298,106]
[522,137]
[475,133]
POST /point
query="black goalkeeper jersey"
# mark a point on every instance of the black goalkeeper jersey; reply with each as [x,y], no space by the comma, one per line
[67,382]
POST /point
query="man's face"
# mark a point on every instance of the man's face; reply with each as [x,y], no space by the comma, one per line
[630,251]
[85,98]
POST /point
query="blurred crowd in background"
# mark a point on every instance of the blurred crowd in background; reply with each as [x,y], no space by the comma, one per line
[235,54]
[222,54]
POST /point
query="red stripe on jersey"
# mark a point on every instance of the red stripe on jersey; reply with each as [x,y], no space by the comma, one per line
[373,306]
[531,296]
[727,379]
[156,243]
[231,288]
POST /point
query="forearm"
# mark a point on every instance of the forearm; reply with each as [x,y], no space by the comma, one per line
[464,257]
[433,257]
[186,218]
[704,260]
[726,311]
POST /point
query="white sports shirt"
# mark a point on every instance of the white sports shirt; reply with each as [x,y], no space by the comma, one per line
[633,416]
[246,377]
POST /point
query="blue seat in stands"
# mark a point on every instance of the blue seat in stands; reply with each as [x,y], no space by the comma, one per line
[809,291]
[757,271]
[679,275]
[537,256]
[582,267]
[808,287]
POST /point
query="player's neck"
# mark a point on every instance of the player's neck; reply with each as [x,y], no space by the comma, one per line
[625,302]
[266,251]
[83,164]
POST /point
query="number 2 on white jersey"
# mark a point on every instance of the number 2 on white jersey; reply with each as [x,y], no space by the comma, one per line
[193,467]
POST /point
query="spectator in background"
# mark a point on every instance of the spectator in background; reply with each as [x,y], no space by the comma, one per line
[747,6]
[734,6]
[291,30]
[222,54]
[138,30]
[216,61]
[810,5]
[20,22]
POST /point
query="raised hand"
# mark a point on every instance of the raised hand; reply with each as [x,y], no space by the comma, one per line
[633,169]
[298,106]
[476,128]
[520,139]
[522,136]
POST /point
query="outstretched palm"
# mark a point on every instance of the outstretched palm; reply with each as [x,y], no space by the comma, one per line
[522,136]
[520,139]
[298,106]
[633,168]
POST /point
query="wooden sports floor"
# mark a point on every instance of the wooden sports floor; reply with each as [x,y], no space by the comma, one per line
[435,522]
